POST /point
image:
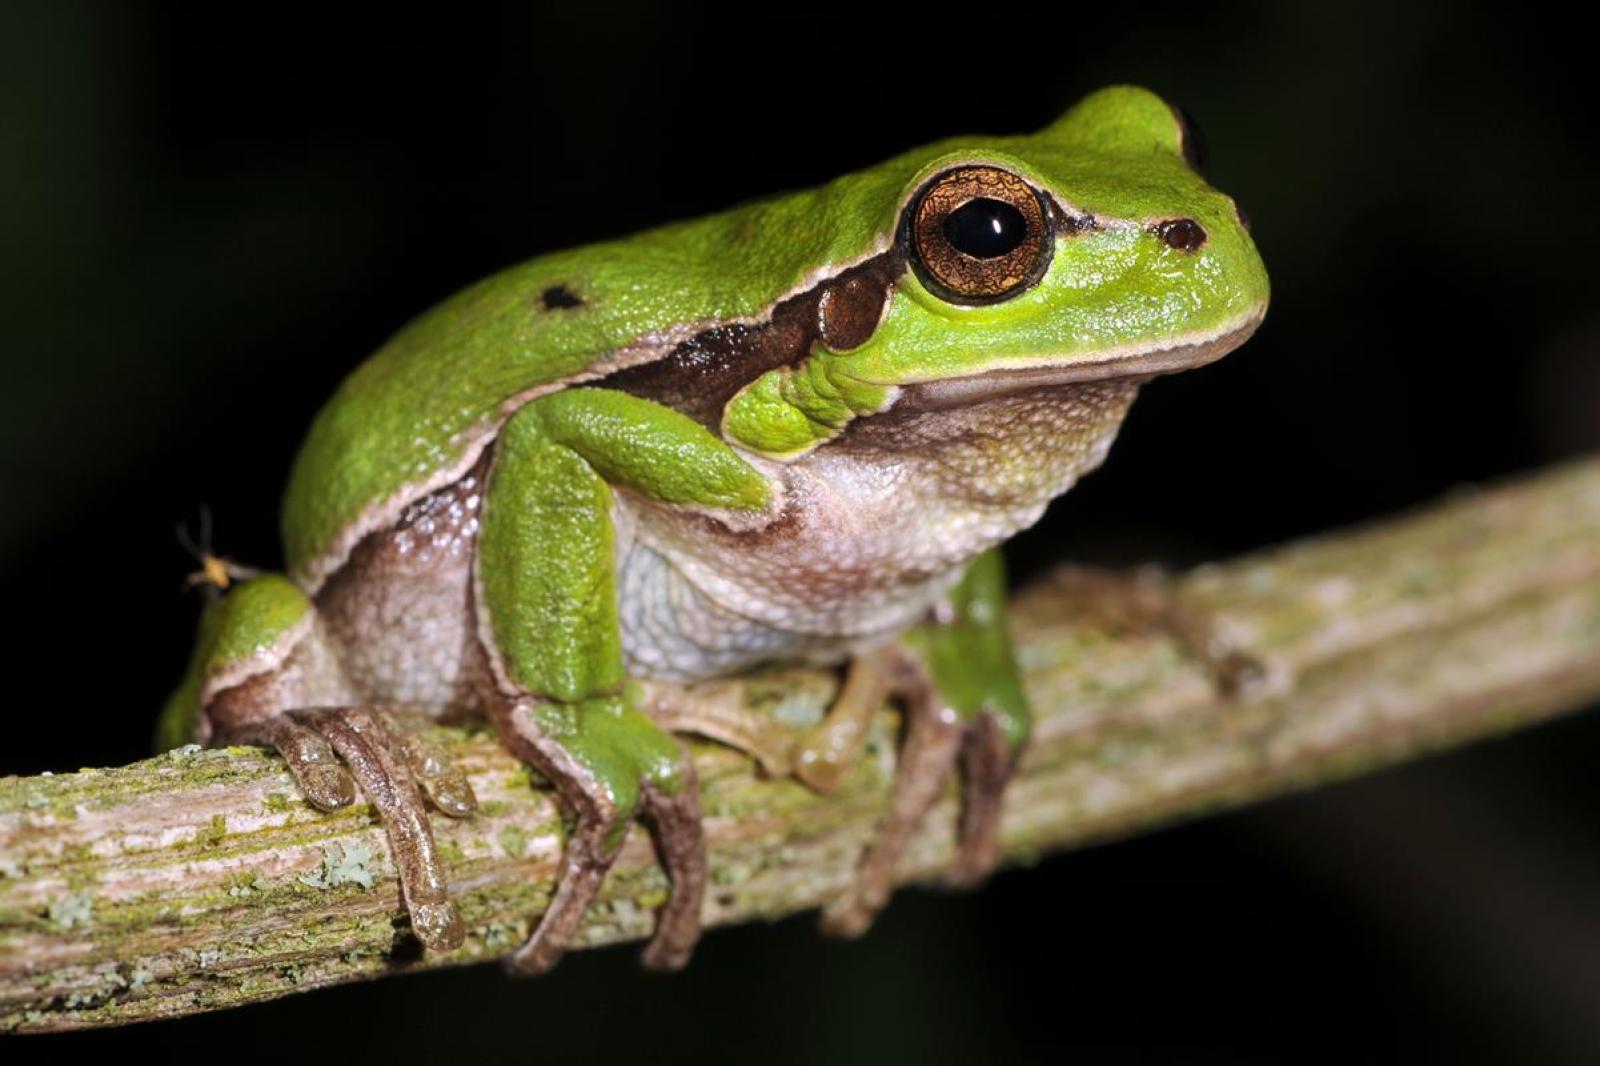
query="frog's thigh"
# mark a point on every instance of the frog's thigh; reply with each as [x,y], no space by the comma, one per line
[547,587]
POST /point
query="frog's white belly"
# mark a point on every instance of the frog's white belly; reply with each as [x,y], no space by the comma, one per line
[674,631]
[870,533]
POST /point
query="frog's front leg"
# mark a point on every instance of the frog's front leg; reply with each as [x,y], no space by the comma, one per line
[548,618]
[957,680]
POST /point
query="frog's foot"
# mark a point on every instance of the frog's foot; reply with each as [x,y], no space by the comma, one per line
[603,805]
[987,763]
[446,786]
[331,750]
[938,742]
[720,711]
[835,744]
[1146,600]
[674,822]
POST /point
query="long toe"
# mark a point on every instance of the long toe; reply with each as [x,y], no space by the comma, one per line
[451,794]
[851,916]
[329,788]
[538,956]
[438,925]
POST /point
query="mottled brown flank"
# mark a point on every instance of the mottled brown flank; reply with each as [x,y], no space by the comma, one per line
[560,298]
[703,373]
[400,610]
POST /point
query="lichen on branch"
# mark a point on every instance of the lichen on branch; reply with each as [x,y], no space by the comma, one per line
[199,879]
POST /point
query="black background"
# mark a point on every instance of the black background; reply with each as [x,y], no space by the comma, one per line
[211,212]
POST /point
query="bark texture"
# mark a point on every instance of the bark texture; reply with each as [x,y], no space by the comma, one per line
[199,879]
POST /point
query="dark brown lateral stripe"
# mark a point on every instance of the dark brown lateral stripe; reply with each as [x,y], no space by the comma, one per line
[702,374]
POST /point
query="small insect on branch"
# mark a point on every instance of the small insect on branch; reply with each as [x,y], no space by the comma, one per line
[216,572]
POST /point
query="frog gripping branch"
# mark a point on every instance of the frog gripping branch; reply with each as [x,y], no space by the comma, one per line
[794,431]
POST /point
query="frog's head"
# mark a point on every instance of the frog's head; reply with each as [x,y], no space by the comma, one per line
[1091,250]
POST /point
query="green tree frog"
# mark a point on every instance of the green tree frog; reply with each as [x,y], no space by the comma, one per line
[793,431]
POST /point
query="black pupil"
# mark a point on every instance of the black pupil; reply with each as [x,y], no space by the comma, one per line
[984,228]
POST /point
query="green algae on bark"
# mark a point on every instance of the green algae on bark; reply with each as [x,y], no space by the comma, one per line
[199,880]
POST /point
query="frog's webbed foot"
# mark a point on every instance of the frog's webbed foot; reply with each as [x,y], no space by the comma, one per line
[665,795]
[331,750]
[1146,600]
[447,788]
[938,742]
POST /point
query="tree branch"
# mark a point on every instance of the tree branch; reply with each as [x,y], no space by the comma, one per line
[199,880]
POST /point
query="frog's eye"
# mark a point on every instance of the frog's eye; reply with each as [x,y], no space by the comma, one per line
[977,235]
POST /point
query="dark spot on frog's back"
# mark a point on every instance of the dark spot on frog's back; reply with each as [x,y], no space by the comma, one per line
[560,298]
[702,374]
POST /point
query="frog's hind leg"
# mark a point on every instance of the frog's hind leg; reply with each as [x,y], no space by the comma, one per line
[377,757]
[331,750]
[302,741]
[1146,600]
[312,762]
[440,779]
[263,674]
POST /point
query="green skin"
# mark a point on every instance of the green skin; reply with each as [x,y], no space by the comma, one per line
[495,364]
[968,655]
[545,556]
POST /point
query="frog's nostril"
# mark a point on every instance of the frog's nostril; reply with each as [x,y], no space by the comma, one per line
[1241,215]
[1182,234]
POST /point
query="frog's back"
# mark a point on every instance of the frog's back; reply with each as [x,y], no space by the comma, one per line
[418,413]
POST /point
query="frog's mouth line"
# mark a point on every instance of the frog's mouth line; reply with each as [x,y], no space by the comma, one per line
[999,384]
